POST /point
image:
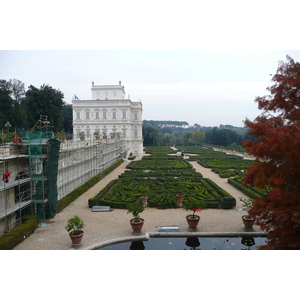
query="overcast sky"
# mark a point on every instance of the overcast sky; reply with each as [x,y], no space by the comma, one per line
[210,85]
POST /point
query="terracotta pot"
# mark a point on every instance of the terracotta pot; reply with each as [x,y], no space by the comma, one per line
[76,238]
[82,138]
[137,224]
[248,222]
[193,221]
[144,200]
[97,137]
[180,199]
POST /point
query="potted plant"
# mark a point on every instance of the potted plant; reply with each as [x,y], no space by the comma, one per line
[180,198]
[247,219]
[193,204]
[96,134]
[144,200]
[74,227]
[136,223]
[82,135]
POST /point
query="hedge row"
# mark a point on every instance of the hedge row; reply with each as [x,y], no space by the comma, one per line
[158,150]
[160,173]
[228,173]
[161,164]
[18,234]
[251,192]
[226,201]
[65,201]
[225,163]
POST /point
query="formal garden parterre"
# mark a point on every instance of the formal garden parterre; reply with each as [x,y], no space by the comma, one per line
[229,166]
[160,177]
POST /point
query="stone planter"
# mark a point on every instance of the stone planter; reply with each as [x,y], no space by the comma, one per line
[248,222]
[180,199]
[144,201]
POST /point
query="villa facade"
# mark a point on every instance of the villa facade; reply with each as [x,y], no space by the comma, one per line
[109,115]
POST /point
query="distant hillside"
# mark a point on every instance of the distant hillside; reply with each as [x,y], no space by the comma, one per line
[165,123]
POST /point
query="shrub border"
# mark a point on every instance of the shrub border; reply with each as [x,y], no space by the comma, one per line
[11,239]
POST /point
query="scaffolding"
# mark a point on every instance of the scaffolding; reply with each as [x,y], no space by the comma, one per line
[15,187]
[46,168]
[38,147]
[81,160]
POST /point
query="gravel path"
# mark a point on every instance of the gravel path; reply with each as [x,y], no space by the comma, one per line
[102,226]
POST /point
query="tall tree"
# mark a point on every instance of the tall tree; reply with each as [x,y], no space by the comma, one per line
[187,138]
[198,137]
[277,166]
[6,112]
[45,101]
[67,123]
[17,88]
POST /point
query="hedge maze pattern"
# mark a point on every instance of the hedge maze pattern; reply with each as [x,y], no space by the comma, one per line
[160,177]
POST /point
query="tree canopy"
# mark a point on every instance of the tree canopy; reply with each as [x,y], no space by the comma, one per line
[23,108]
[45,101]
[277,167]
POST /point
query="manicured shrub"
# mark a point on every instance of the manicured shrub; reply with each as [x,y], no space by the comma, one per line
[251,192]
[17,235]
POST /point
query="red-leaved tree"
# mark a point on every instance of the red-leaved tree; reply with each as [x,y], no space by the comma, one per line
[277,166]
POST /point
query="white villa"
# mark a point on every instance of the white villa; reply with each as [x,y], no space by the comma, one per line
[110,115]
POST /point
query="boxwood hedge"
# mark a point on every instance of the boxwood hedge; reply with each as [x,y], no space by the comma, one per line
[252,192]
[161,192]
[11,239]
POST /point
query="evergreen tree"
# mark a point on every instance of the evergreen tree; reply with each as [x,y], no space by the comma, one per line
[6,111]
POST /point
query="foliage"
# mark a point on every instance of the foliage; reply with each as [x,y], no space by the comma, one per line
[6,138]
[11,239]
[193,204]
[44,101]
[75,225]
[251,191]
[67,113]
[12,109]
[165,123]
[246,202]
[157,178]
[222,137]
[198,137]
[23,109]
[135,208]
[150,164]
[277,144]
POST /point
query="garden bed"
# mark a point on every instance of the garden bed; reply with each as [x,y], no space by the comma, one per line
[162,192]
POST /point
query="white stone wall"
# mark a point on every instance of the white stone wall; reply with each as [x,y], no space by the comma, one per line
[105,92]
[110,117]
